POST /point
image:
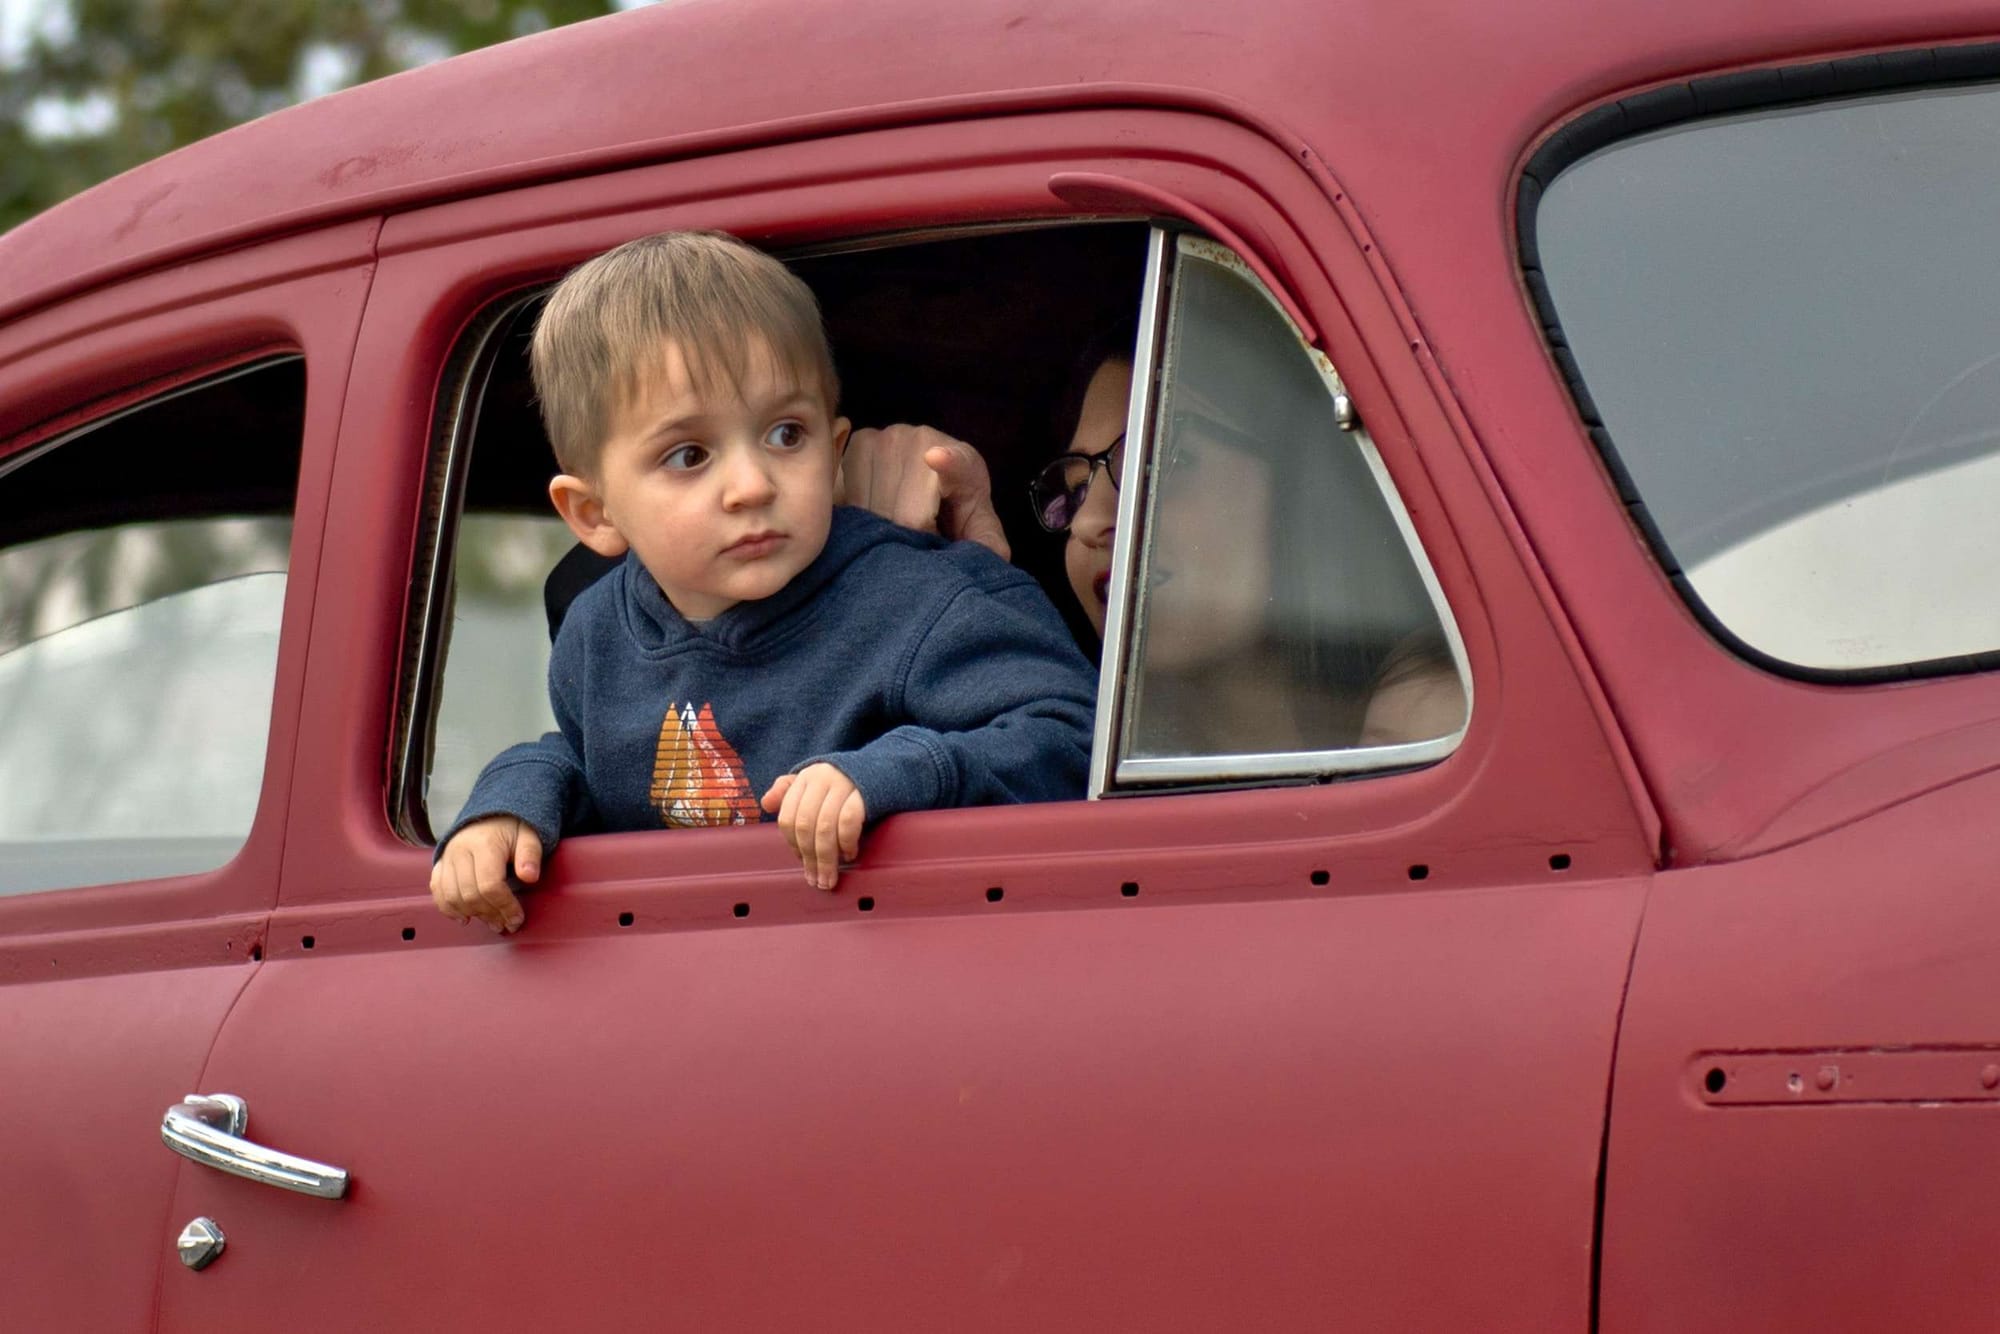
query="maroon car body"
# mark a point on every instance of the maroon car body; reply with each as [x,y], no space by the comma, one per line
[1666,1000]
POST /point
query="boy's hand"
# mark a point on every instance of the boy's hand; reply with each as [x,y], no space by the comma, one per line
[922,478]
[470,879]
[822,814]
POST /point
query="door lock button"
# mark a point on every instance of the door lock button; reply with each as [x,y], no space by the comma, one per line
[200,1242]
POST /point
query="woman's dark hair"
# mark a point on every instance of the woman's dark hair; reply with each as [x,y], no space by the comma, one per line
[1112,343]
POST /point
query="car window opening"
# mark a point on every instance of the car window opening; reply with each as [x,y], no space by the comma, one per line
[1000,340]
[139,638]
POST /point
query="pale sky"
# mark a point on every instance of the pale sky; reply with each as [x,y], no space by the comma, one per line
[323,69]
[16,16]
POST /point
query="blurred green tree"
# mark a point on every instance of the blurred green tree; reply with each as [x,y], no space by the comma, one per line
[102,85]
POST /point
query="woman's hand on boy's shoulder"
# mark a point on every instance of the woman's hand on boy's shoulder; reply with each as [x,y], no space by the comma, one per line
[470,878]
[921,478]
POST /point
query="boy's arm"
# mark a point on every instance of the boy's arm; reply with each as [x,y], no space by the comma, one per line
[518,809]
[469,879]
[514,816]
[1002,705]
[821,813]
[538,782]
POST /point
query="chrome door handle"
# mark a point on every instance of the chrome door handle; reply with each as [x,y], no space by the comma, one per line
[209,1129]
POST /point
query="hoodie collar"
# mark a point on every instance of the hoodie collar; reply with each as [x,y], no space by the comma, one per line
[657,625]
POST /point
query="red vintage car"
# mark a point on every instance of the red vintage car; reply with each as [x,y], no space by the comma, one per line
[1641,360]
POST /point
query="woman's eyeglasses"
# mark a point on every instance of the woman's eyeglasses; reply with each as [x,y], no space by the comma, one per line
[1058,490]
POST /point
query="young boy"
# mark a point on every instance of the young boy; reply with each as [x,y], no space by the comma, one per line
[759,651]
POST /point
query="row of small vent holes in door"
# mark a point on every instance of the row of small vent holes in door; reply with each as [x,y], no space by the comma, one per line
[866,903]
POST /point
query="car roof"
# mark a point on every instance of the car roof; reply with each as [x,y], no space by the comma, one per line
[1423,114]
[1405,102]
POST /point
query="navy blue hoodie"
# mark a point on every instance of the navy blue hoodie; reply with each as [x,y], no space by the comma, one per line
[930,673]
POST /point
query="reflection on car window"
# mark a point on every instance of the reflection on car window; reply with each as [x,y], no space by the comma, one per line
[139,637]
[1785,320]
[1281,609]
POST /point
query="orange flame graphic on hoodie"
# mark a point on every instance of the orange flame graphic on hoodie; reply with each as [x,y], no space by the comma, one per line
[698,778]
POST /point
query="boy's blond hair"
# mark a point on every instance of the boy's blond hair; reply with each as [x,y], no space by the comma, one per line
[605,325]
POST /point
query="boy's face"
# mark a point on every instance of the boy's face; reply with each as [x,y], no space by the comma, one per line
[724,496]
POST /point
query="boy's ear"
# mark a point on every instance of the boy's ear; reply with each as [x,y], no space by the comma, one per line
[577,501]
[841,429]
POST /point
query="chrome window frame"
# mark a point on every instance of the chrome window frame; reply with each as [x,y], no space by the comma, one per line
[1126,549]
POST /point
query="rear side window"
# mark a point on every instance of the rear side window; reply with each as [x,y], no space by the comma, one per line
[144,562]
[1785,322]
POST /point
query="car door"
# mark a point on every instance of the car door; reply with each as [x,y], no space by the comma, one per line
[166,445]
[1804,1119]
[1253,1039]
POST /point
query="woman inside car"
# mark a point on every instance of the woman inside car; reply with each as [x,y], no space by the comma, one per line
[1239,650]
